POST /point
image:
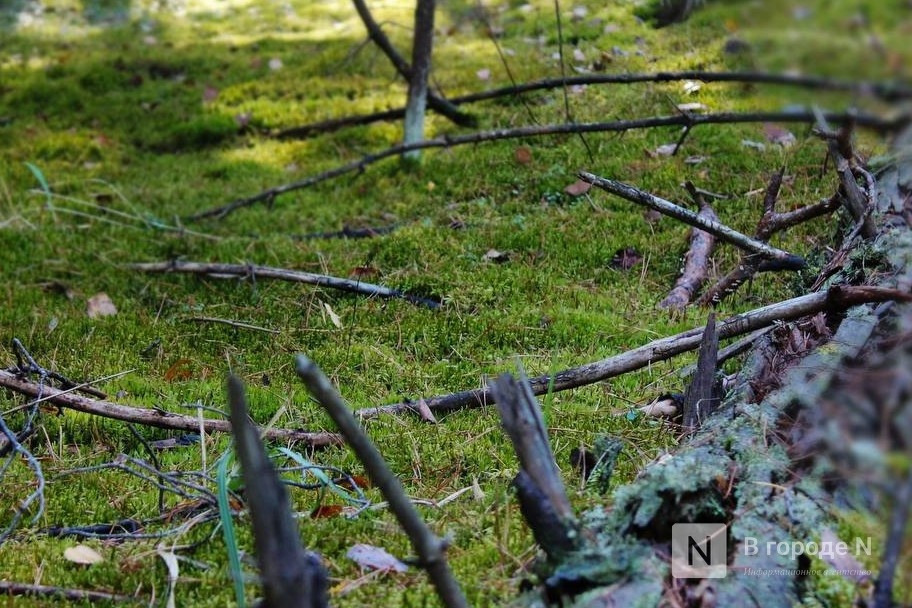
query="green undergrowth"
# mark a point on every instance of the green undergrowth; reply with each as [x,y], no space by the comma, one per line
[137,115]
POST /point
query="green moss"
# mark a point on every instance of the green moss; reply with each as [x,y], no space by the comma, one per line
[147,98]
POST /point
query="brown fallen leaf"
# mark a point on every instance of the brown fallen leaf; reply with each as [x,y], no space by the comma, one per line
[100,305]
[523,155]
[326,511]
[578,188]
[375,558]
[779,136]
[179,370]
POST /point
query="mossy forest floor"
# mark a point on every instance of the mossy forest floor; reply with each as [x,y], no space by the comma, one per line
[140,114]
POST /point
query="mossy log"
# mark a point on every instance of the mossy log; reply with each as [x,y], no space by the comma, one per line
[804,428]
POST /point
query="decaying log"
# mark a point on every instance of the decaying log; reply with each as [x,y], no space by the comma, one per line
[291,576]
[542,496]
[696,260]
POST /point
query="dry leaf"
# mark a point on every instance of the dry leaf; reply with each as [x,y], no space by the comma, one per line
[179,370]
[375,558]
[483,74]
[691,86]
[578,188]
[425,412]
[523,155]
[665,150]
[100,305]
[756,145]
[275,64]
[332,315]
[498,257]
[326,511]
[81,554]
[626,258]
[578,55]
[777,135]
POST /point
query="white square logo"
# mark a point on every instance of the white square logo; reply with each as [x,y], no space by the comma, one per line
[699,551]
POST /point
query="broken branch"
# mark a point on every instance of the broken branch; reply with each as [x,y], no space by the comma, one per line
[635,195]
[430,549]
[282,274]
[696,260]
[835,298]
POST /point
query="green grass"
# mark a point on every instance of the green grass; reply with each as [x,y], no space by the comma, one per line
[130,108]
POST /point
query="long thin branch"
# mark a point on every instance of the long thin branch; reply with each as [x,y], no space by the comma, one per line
[402,66]
[151,417]
[448,141]
[882,90]
[721,231]
[282,274]
[75,595]
[836,298]
[430,549]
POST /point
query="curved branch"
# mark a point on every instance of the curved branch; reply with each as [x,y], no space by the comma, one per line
[447,141]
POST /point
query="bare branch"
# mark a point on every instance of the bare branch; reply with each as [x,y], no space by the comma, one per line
[718,229]
[448,141]
[430,549]
[835,298]
[74,595]
[151,417]
[696,260]
[882,90]
[282,274]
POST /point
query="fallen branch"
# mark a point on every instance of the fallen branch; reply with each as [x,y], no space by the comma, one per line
[150,417]
[291,576]
[437,103]
[770,223]
[75,595]
[696,260]
[723,232]
[448,141]
[835,298]
[704,393]
[430,549]
[881,90]
[541,492]
[282,274]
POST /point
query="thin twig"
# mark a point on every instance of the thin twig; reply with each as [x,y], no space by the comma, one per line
[721,231]
[152,417]
[883,90]
[232,323]
[74,595]
[883,590]
[430,549]
[449,141]
[836,298]
[282,274]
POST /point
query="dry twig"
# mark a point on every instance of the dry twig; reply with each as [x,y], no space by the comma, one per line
[696,260]
[150,417]
[430,549]
[282,274]
[721,231]
[449,141]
